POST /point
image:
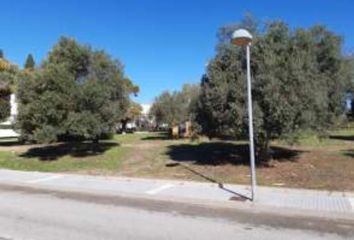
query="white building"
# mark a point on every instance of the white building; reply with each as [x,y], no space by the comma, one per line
[6,127]
[144,122]
[13,111]
[146,109]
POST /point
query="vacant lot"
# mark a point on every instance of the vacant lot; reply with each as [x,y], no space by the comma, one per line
[313,163]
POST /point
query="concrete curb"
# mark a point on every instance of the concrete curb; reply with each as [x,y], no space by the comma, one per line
[246,207]
[276,201]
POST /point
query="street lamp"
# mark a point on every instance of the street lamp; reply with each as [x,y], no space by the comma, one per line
[242,37]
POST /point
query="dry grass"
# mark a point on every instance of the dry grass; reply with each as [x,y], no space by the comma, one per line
[325,164]
[328,164]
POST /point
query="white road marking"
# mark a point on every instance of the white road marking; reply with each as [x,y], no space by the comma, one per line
[351,201]
[159,189]
[45,179]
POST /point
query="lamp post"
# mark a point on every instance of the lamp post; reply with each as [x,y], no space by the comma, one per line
[242,37]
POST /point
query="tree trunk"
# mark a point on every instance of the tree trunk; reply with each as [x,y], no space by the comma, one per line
[263,151]
[124,125]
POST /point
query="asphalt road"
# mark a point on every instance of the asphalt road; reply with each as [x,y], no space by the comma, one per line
[29,213]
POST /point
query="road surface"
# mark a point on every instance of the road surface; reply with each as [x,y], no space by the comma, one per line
[30,213]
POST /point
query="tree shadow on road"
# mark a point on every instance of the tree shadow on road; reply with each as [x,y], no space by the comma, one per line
[73,149]
[220,153]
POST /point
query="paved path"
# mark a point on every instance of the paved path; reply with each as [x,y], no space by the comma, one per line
[320,203]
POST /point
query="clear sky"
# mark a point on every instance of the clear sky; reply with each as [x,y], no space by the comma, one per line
[162,43]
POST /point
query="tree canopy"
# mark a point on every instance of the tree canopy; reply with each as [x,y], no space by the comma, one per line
[8,76]
[134,111]
[176,107]
[30,63]
[299,81]
[77,93]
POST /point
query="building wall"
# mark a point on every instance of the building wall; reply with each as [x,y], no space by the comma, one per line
[8,132]
[13,111]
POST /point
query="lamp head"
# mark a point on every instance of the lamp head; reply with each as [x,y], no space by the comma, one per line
[241,37]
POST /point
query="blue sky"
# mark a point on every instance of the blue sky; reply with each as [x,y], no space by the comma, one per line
[162,43]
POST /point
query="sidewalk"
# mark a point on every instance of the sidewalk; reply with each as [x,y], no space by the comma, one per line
[320,203]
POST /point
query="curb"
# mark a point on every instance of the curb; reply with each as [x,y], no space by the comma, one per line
[245,207]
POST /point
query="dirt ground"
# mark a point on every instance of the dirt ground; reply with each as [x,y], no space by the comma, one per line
[329,167]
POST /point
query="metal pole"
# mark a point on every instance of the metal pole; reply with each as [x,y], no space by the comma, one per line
[250,127]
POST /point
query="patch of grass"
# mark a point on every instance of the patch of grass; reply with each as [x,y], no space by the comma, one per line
[313,139]
[343,132]
[342,135]
[59,158]
[315,164]
[326,164]
[132,137]
[106,157]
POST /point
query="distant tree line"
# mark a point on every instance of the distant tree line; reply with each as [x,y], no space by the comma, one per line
[175,107]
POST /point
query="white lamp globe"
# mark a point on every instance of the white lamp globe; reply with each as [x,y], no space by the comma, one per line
[241,37]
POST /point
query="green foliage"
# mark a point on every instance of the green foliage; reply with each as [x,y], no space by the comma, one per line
[134,111]
[8,73]
[299,82]
[174,108]
[8,77]
[78,93]
[1,53]
[30,63]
